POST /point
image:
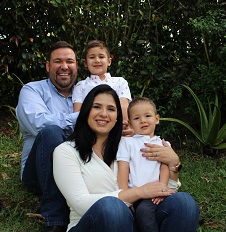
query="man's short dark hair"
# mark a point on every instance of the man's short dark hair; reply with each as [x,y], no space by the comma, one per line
[59,44]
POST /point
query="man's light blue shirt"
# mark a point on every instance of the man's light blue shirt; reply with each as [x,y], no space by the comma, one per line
[40,104]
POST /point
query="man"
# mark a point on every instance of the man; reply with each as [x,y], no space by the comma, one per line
[46,118]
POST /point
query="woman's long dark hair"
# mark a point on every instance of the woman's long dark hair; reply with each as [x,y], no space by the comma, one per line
[84,136]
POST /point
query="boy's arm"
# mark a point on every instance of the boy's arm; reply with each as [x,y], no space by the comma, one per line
[126,130]
[164,174]
[78,95]
[124,105]
[123,174]
[77,106]
[163,178]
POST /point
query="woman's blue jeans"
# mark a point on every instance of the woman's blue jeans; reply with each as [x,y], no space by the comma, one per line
[38,176]
[177,213]
[109,214]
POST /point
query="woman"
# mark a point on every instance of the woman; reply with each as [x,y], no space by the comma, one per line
[86,173]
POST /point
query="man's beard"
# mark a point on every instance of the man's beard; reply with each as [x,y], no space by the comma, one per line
[64,84]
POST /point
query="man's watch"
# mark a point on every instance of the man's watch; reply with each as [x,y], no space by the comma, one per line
[177,168]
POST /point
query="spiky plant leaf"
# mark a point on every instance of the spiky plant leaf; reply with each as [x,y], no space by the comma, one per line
[193,131]
[202,114]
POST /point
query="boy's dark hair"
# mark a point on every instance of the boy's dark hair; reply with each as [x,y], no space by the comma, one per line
[139,100]
[85,137]
[59,44]
[94,44]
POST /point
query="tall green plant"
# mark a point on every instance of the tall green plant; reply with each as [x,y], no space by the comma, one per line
[211,136]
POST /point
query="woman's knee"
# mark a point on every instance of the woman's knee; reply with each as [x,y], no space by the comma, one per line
[116,214]
[113,208]
[180,205]
[180,201]
[185,202]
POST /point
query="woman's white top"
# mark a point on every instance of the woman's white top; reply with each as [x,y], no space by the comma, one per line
[82,184]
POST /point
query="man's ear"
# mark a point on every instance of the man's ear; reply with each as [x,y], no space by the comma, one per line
[47,66]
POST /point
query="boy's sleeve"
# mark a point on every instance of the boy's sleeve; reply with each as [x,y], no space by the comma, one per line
[77,95]
[123,153]
[124,90]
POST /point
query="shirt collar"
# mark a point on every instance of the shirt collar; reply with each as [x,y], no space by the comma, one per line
[106,79]
[56,90]
[146,137]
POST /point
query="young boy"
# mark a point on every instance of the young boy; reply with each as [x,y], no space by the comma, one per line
[97,60]
[135,170]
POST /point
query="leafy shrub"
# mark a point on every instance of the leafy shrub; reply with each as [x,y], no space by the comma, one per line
[156,45]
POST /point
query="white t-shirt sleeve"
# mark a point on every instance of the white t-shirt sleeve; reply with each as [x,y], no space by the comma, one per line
[175,185]
[123,153]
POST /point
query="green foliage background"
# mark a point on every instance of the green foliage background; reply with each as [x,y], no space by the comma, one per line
[156,45]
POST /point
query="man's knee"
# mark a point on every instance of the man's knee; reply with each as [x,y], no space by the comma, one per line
[52,130]
[52,135]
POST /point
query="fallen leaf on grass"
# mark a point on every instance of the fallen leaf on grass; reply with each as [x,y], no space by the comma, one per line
[16,154]
[6,165]
[207,180]
[5,176]
[211,225]
[35,215]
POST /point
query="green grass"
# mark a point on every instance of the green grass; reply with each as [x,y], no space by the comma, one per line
[205,178]
[201,176]
[15,201]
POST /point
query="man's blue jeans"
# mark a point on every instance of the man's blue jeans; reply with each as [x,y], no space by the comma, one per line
[38,176]
[177,213]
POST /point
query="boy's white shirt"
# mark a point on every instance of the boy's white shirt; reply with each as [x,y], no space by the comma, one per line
[142,170]
[119,84]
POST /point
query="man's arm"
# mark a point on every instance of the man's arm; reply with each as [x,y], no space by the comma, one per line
[35,110]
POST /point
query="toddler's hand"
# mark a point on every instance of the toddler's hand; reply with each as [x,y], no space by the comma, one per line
[157,200]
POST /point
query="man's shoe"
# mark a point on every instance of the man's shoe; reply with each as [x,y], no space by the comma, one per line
[55,229]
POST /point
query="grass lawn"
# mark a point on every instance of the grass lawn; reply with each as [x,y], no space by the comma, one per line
[202,176]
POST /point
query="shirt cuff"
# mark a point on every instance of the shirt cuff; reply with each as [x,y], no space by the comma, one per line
[175,185]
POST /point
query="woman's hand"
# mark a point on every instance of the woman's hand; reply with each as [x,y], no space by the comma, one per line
[147,191]
[155,189]
[164,154]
